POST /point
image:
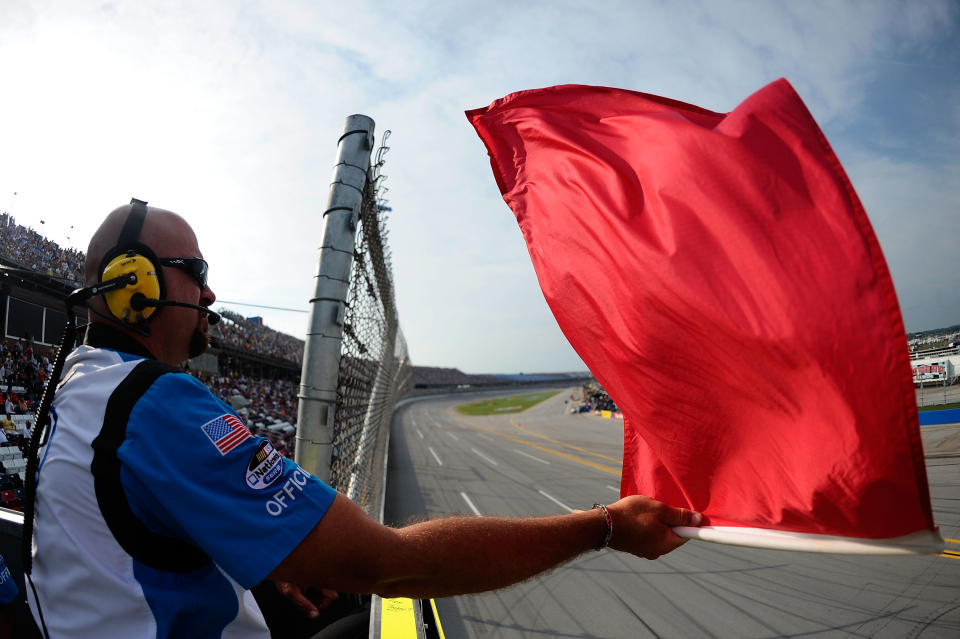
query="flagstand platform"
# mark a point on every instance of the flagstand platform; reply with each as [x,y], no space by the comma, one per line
[924,542]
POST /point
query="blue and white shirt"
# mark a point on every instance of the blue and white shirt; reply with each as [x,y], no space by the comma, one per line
[8,588]
[156,509]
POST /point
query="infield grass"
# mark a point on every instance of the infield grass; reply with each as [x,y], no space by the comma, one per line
[940,406]
[505,405]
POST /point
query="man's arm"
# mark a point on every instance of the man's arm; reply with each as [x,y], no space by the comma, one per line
[350,552]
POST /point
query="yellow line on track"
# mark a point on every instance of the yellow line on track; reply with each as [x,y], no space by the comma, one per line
[573,458]
[436,618]
[952,541]
[564,444]
[951,555]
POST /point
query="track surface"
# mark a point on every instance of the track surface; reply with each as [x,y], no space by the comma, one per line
[543,462]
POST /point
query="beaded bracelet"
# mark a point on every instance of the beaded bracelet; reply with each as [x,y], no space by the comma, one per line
[609,521]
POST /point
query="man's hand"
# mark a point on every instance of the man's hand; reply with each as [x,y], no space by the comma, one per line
[309,603]
[641,526]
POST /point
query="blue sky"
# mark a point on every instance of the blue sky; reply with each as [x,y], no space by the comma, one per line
[229,113]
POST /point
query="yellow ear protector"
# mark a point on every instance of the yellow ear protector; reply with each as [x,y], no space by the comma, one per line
[147,282]
[132,257]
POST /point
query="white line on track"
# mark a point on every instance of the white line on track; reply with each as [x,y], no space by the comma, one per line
[435,455]
[484,456]
[419,432]
[520,452]
[616,490]
[455,438]
[470,503]
[556,501]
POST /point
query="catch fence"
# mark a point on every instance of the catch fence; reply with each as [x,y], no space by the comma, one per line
[356,365]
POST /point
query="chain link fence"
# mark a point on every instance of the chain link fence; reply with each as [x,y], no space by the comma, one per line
[375,370]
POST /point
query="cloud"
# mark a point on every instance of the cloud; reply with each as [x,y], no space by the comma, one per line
[230,113]
[914,212]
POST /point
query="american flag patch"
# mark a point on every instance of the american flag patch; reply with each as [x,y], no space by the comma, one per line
[226,432]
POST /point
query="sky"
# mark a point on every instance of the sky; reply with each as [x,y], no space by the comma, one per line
[228,112]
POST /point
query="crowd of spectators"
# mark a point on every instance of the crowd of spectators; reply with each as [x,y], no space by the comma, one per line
[241,333]
[426,376]
[595,398]
[268,406]
[24,368]
[27,248]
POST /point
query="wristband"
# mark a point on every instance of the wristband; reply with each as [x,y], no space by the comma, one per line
[609,522]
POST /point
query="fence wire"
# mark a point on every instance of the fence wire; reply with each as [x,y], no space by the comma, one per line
[375,370]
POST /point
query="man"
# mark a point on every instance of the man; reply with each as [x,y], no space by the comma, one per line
[157,510]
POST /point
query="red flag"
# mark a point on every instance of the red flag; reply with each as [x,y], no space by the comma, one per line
[720,277]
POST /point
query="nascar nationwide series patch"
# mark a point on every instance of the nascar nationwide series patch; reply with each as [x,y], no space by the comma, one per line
[226,432]
[265,467]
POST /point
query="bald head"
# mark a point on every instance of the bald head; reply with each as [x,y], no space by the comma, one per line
[162,231]
[174,333]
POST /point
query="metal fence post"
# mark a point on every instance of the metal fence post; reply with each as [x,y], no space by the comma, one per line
[321,356]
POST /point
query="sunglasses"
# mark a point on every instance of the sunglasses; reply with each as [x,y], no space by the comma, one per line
[195,267]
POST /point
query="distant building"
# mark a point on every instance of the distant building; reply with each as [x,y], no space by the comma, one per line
[935,367]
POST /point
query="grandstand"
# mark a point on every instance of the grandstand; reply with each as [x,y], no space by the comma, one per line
[437,378]
[25,247]
[238,334]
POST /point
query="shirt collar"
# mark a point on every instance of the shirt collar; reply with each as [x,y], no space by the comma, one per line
[102,335]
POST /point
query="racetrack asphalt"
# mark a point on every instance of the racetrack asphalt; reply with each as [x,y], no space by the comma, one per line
[544,461]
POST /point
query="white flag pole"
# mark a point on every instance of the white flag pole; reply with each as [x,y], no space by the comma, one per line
[923,542]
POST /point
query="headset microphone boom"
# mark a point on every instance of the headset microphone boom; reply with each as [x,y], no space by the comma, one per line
[139,301]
